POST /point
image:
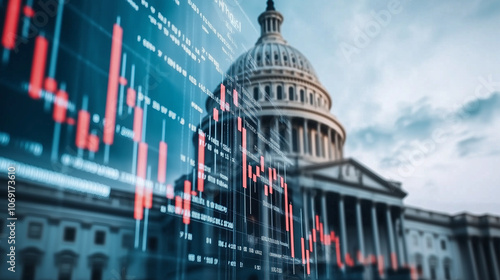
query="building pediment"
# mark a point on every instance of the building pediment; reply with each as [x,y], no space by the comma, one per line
[350,172]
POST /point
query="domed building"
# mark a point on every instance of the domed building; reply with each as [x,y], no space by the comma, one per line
[286,112]
[284,98]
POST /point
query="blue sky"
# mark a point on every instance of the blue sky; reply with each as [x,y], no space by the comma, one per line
[416,85]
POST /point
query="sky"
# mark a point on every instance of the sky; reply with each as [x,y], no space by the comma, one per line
[416,85]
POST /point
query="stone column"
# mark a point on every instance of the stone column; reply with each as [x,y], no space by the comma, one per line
[484,264]
[472,259]
[330,150]
[306,138]
[403,236]
[392,246]
[359,222]
[319,141]
[376,240]
[290,135]
[494,259]
[343,234]
[337,146]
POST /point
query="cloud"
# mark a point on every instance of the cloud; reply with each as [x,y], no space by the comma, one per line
[469,145]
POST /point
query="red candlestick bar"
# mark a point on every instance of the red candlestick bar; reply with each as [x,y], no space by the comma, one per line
[38,67]
[187,203]
[141,173]
[394,261]
[82,129]
[138,209]
[201,161]
[11,22]
[270,180]
[244,148]
[291,232]
[222,97]
[282,181]
[314,235]
[239,123]
[381,265]
[274,173]
[317,222]
[162,163]
[138,113]
[261,164]
[114,74]
[50,84]
[93,143]
[254,178]
[216,115]
[360,257]
[131,95]
[250,171]
[28,11]
[321,233]
[337,249]
[60,106]
[266,190]
[235,97]
[178,205]
[303,251]
[257,171]
[286,212]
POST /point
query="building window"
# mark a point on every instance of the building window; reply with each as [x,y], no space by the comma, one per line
[280,92]
[96,272]
[28,271]
[268,92]
[100,237]
[302,97]
[256,93]
[429,242]
[291,93]
[447,272]
[35,230]
[433,273]
[318,144]
[69,234]
[420,270]
[311,99]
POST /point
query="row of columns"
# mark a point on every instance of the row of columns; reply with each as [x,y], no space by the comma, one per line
[332,150]
[493,260]
[307,144]
[392,238]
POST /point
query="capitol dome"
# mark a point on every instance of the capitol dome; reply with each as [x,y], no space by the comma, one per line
[283,99]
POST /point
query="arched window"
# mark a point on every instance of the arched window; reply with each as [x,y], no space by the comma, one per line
[280,92]
[311,98]
[256,93]
[268,92]
[302,96]
[291,93]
